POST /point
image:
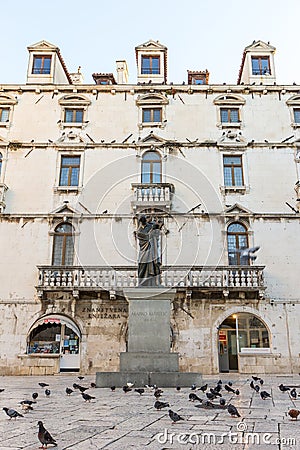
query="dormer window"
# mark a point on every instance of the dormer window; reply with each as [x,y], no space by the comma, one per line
[41,64]
[150,65]
[260,65]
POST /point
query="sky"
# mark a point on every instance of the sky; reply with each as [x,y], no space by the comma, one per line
[199,35]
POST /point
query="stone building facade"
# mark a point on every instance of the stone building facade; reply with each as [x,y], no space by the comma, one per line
[218,164]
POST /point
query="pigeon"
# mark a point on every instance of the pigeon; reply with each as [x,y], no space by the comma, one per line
[264,395]
[261,381]
[233,411]
[82,388]
[157,393]
[35,395]
[80,378]
[93,385]
[12,413]
[193,397]
[218,388]
[220,382]
[222,401]
[113,388]
[126,389]
[159,405]
[210,396]
[174,416]
[139,391]
[252,385]
[69,391]
[26,407]
[47,392]
[130,385]
[255,378]
[75,386]
[293,393]
[229,389]
[215,392]
[237,392]
[27,402]
[87,397]
[294,413]
[249,252]
[178,388]
[43,385]
[203,388]
[44,436]
[283,388]
[229,383]
[193,387]
[257,388]
[1,390]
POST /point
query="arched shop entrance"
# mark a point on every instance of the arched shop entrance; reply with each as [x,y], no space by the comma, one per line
[56,334]
[240,332]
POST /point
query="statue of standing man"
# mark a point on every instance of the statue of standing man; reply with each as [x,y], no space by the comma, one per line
[149,261]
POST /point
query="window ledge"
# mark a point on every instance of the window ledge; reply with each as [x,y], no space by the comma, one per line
[40,355]
[67,189]
[230,124]
[72,124]
[264,355]
[151,124]
[295,124]
[235,189]
[4,124]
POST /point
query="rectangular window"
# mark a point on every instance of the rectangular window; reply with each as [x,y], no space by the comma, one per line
[41,65]
[296,115]
[229,115]
[74,115]
[150,65]
[233,171]
[152,115]
[4,114]
[260,65]
[69,171]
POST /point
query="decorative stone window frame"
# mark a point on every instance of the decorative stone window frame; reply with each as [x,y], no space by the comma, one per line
[242,189]
[152,100]
[73,101]
[64,217]
[6,101]
[69,153]
[229,101]
[293,103]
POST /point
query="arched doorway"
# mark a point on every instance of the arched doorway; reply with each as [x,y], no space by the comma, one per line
[237,333]
[56,334]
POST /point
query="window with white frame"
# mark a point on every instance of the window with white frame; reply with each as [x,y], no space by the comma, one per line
[294,107]
[229,110]
[6,108]
[152,110]
[73,110]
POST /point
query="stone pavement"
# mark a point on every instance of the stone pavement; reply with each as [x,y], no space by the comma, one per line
[117,421]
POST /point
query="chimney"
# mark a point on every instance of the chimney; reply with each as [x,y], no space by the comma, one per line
[77,77]
[122,72]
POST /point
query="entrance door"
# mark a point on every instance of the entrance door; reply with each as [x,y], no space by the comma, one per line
[223,351]
[232,350]
[69,353]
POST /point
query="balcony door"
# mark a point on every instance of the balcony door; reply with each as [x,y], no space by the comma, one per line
[151,168]
[63,245]
[237,239]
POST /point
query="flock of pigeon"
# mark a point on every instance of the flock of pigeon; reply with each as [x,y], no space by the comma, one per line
[44,436]
[213,400]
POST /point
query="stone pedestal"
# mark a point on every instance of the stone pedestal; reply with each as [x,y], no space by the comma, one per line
[148,359]
[149,332]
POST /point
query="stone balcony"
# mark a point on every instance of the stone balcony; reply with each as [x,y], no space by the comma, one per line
[152,195]
[206,279]
[3,189]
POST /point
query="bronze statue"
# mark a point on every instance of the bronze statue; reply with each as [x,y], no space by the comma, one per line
[149,261]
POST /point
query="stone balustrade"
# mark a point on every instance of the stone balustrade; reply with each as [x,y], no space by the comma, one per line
[150,194]
[224,278]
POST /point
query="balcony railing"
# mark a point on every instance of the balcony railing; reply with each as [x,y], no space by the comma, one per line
[223,278]
[152,194]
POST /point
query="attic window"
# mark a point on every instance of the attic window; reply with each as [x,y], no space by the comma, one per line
[150,65]
[260,65]
[41,65]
